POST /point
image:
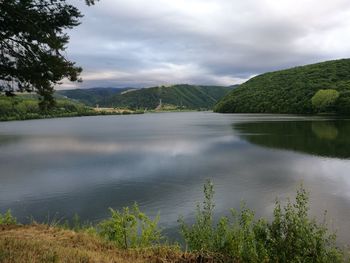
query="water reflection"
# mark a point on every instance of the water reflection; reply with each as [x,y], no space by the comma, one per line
[86,165]
[8,139]
[317,137]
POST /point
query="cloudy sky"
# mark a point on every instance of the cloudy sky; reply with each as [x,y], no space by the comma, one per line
[138,43]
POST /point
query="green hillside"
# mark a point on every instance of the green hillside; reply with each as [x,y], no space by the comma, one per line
[291,91]
[181,96]
[92,96]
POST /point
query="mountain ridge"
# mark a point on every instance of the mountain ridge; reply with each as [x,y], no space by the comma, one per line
[181,96]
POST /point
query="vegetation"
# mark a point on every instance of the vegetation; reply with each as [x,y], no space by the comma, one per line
[27,107]
[129,235]
[7,219]
[324,100]
[179,97]
[290,237]
[201,235]
[131,228]
[44,244]
[33,38]
[91,97]
[291,90]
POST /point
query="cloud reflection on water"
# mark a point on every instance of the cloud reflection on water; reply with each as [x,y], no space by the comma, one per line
[161,163]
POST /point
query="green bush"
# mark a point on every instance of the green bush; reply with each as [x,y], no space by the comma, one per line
[290,237]
[130,228]
[238,237]
[294,237]
[7,219]
[200,236]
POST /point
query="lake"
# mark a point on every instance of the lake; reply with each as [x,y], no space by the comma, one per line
[55,168]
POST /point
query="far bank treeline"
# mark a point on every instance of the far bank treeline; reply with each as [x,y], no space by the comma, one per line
[112,101]
[27,107]
[316,88]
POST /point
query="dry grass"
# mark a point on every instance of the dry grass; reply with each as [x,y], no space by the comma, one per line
[113,110]
[41,243]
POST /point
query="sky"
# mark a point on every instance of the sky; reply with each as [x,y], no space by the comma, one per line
[138,43]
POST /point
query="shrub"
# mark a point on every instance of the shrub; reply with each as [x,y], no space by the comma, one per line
[294,237]
[130,228]
[290,237]
[199,236]
[238,237]
[7,219]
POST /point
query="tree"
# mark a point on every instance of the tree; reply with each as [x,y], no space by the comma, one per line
[343,103]
[324,99]
[32,40]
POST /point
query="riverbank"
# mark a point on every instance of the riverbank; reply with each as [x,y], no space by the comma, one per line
[26,108]
[63,115]
[129,235]
[42,243]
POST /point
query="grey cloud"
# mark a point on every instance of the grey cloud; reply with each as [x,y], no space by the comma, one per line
[141,43]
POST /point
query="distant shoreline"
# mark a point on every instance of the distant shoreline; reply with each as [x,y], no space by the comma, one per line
[66,115]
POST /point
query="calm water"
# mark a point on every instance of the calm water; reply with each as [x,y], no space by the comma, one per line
[59,167]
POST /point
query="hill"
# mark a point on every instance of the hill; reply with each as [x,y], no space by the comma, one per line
[92,96]
[179,96]
[291,90]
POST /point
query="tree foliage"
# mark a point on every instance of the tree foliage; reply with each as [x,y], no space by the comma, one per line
[324,99]
[291,90]
[32,41]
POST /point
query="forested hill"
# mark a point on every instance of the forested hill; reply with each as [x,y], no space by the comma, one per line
[91,97]
[175,97]
[295,90]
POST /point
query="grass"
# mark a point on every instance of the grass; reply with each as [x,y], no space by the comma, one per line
[42,243]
